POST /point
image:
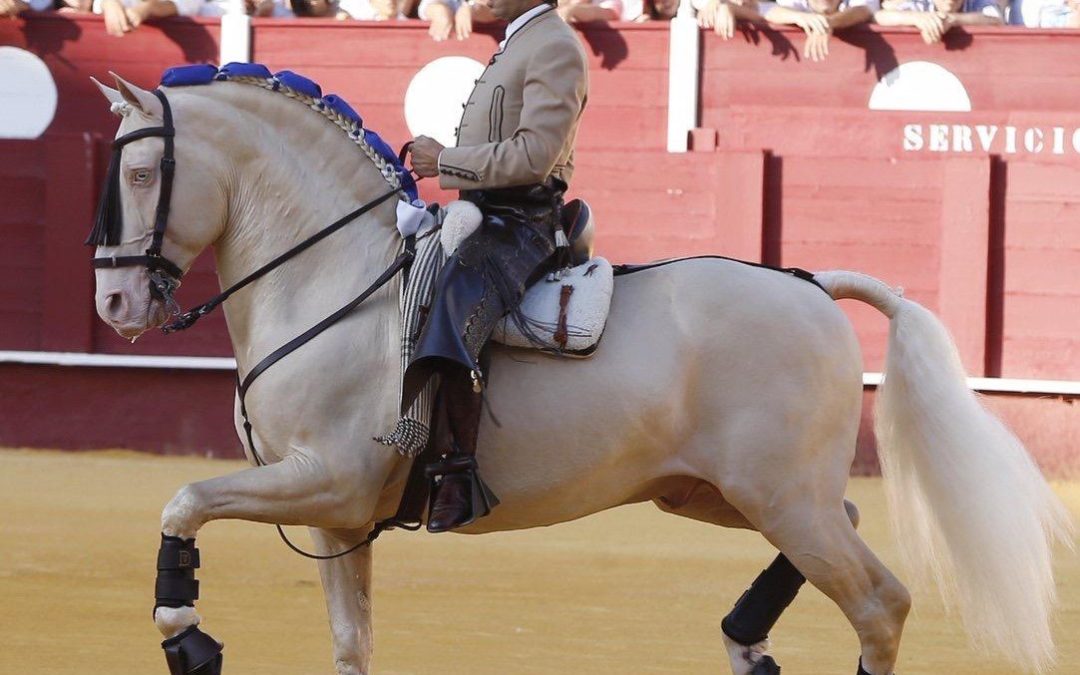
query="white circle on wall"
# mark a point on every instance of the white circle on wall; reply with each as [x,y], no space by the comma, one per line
[920,86]
[27,94]
[436,95]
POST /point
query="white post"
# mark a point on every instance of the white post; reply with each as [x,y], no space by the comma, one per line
[683,63]
[235,34]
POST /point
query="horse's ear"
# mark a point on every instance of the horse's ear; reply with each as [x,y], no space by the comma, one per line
[138,98]
[108,92]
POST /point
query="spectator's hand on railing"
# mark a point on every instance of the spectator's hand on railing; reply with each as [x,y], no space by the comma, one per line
[11,8]
[812,23]
[137,14]
[718,16]
[117,23]
[442,21]
[817,46]
[932,26]
[463,21]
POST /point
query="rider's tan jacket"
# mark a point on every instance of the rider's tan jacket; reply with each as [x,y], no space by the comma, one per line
[521,120]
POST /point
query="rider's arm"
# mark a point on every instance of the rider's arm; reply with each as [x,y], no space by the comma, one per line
[552,100]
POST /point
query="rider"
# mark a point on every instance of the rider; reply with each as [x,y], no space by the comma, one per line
[513,160]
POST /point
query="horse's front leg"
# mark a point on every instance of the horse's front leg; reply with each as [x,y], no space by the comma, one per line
[299,490]
[346,582]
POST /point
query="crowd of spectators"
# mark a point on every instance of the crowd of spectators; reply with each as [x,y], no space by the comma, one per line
[455,18]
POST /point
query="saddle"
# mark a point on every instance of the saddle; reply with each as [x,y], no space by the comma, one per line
[565,311]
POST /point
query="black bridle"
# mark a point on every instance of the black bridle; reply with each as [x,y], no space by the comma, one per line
[165,278]
[164,274]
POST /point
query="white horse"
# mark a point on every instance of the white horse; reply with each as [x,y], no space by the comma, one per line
[722,392]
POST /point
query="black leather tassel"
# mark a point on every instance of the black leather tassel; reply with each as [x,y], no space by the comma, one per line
[108,222]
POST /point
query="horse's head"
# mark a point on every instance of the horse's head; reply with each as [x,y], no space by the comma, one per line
[127,297]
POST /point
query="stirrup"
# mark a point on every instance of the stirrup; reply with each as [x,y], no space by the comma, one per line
[193,652]
[481,498]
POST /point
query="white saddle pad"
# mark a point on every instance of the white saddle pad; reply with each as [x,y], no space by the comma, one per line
[565,312]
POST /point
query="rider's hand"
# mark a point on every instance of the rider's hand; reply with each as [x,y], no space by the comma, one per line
[724,21]
[425,156]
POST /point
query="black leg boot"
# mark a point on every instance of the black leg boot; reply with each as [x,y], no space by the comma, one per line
[459,496]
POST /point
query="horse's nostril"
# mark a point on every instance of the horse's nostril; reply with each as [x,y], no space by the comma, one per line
[113,303]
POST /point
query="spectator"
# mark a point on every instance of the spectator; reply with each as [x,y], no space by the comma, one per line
[374,10]
[1045,13]
[934,18]
[660,10]
[817,18]
[274,8]
[11,8]
[584,11]
[721,15]
[124,16]
[453,16]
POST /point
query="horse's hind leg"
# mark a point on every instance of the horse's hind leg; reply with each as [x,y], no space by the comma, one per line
[747,627]
[346,582]
[298,490]
[822,544]
[751,620]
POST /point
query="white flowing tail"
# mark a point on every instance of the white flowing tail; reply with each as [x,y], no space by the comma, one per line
[969,506]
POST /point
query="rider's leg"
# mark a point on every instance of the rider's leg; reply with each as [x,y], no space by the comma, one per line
[295,491]
[346,582]
[460,497]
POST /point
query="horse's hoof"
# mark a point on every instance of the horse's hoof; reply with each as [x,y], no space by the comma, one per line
[193,652]
[766,666]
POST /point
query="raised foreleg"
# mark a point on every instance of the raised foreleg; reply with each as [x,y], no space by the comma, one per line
[299,490]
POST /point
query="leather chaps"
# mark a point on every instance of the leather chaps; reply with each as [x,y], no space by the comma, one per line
[485,279]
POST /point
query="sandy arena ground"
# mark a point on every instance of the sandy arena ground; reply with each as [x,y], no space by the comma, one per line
[629,591]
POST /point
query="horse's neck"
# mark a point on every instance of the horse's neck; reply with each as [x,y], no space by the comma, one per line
[291,184]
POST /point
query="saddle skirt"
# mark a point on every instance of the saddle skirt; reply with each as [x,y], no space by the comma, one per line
[563,313]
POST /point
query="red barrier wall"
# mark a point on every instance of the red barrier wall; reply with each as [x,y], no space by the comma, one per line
[790,167]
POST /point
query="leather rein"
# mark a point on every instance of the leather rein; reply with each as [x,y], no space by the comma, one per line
[165,278]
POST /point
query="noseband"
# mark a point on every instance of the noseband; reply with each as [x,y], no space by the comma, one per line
[164,274]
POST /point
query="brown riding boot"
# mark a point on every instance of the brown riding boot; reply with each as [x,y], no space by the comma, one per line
[459,497]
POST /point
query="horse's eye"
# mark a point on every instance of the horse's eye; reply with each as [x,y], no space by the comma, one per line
[141,176]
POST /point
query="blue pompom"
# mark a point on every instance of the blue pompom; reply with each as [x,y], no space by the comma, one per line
[187,76]
[299,83]
[338,105]
[243,70]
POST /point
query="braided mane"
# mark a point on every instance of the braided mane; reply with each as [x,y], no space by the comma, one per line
[307,92]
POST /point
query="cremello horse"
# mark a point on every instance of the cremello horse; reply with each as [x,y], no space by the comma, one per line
[722,392]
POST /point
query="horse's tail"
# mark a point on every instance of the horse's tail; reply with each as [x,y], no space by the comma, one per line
[968,504]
